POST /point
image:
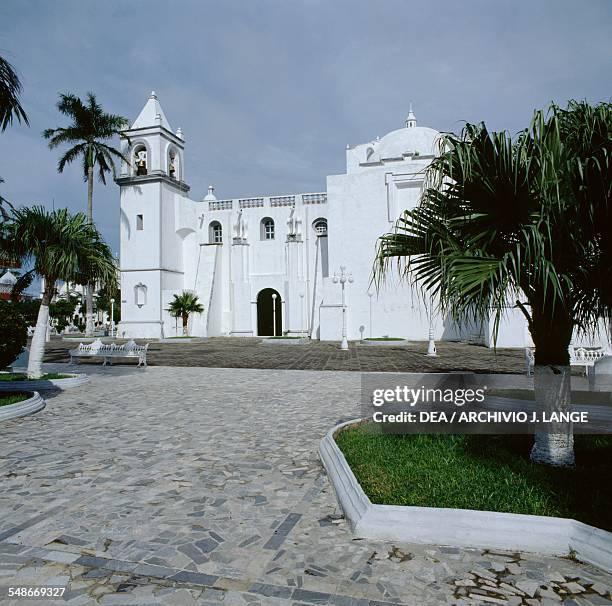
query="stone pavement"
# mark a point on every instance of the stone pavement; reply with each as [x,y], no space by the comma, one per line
[233,352]
[202,486]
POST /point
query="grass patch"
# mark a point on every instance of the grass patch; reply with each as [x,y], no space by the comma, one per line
[487,473]
[19,376]
[385,339]
[13,398]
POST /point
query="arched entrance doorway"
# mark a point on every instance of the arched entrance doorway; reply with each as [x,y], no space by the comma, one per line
[266,313]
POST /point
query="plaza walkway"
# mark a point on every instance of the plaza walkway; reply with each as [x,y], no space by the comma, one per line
[203,486]
[232,352]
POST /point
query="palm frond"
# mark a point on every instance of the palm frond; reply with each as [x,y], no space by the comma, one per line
[10,91]
[70,156]
[61,246]
[90,127]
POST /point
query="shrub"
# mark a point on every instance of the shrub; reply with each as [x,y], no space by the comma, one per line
[28,308]
[13,333]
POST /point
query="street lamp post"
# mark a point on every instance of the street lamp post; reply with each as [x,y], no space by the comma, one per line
[343,278]
[274,313]
[302,331]
[370,295]
[112,318]
[431,345]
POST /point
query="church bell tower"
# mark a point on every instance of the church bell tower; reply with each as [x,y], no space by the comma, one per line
[152,184]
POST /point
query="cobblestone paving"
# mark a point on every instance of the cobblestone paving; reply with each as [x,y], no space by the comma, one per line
[225,352]
[202,486]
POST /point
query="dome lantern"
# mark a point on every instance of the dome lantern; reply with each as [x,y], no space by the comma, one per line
[411,119]
[210,196]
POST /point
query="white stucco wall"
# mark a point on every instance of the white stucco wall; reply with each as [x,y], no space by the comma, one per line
[173,251]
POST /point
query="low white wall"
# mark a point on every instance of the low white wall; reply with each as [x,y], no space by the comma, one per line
[23,408]
[460,527]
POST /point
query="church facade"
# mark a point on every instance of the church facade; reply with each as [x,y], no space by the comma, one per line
[265,265]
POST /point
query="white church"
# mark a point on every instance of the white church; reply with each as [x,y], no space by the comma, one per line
[264,265]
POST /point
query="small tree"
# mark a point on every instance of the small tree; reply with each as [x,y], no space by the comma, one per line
[62,311]
[183,305]
[103,303]
[60,246]
[13,332]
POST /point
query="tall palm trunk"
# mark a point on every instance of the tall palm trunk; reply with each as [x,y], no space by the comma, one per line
[89,323]
[37,347]
[553,394]
[552,386]
[185,324]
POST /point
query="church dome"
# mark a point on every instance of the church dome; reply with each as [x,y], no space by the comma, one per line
[420,139]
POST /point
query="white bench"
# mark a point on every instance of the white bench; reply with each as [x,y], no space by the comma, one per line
[107,352]
[579,356]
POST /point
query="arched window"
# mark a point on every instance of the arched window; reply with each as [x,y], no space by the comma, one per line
[267,229]
[139,160]
[320,227]
[140,294]
[174,164]
[215,233]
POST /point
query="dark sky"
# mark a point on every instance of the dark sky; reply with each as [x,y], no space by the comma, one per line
[269,92]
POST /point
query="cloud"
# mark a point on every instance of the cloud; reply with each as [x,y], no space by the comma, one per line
[268,93]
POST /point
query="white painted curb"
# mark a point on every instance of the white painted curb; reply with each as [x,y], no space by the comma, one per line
[182,340]
[396,343]
[45,384]
[284,341]
[459,527]
[20,409]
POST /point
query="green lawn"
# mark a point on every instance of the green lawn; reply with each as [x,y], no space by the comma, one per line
[13,398]
[489,473]
[17,376]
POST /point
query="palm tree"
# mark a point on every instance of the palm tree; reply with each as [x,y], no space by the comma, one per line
[183,305]
[60,246]
[90,127]
[526,223]
[10,107]
[10,90]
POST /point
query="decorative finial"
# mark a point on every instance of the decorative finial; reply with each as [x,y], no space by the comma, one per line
[179,132]
[152,95]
